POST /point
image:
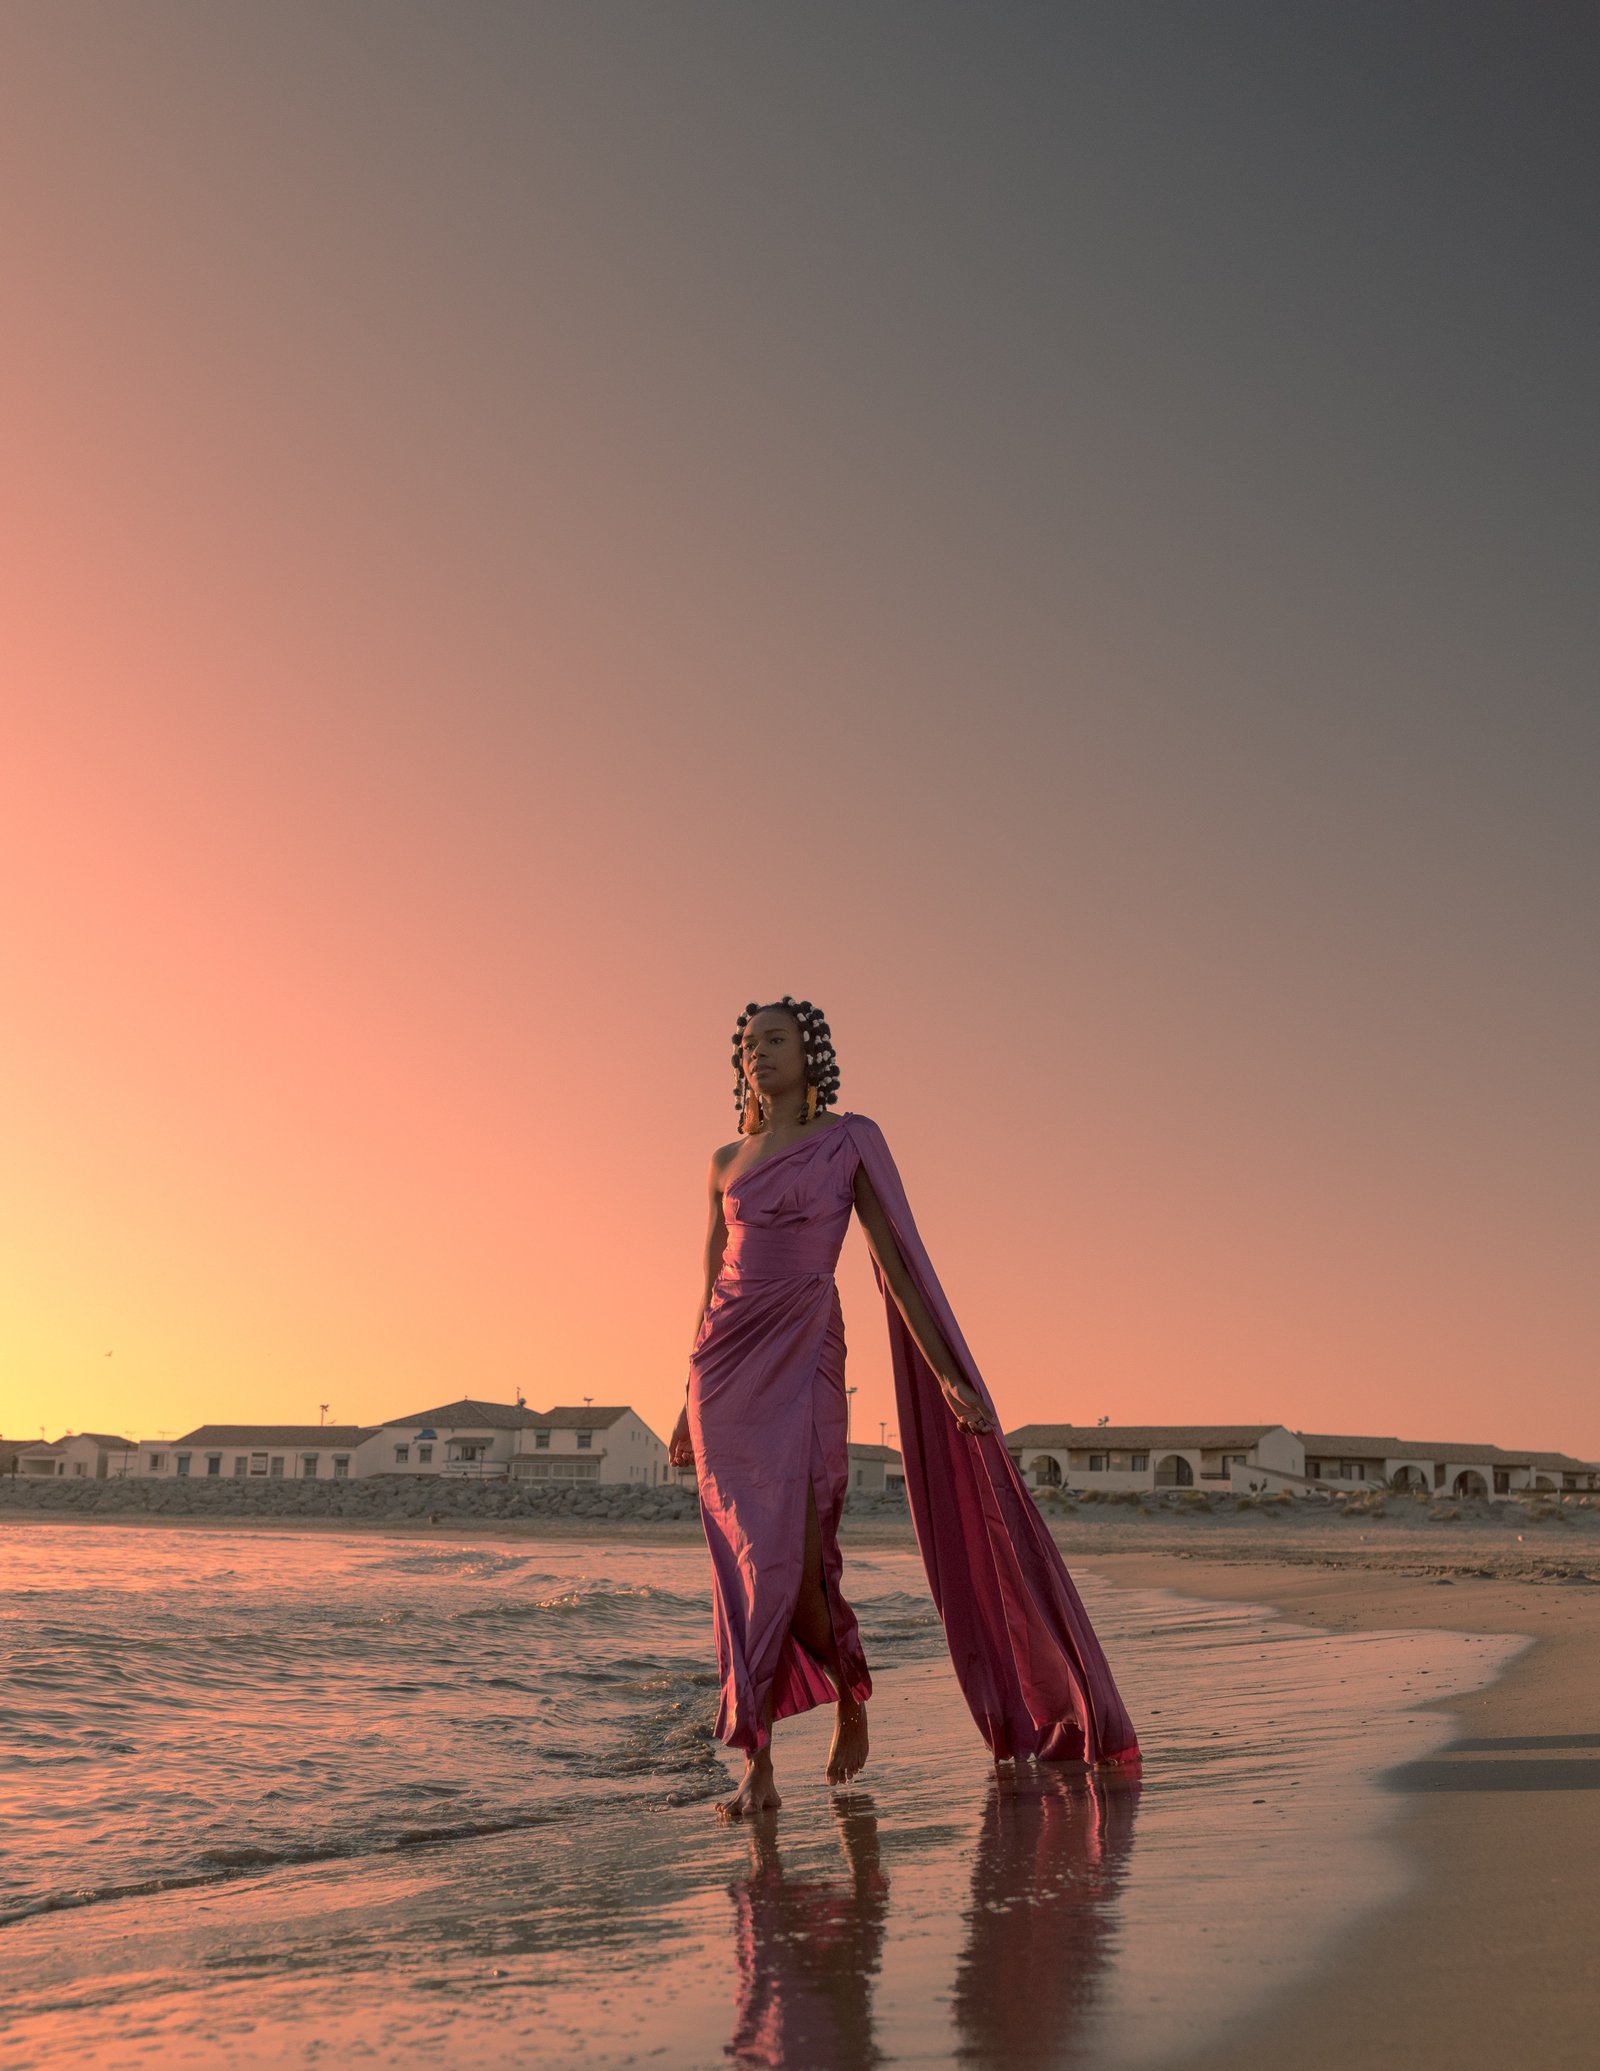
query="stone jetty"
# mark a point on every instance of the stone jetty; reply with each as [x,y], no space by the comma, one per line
[373,1499]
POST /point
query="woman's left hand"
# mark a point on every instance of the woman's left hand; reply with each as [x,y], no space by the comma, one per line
[965,1406]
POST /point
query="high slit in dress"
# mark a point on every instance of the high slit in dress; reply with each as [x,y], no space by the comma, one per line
[767,1420]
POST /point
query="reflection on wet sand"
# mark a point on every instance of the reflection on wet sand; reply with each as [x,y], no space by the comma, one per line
[1051,1859]
[807,1949]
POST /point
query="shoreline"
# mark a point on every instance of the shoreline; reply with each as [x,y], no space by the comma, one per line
[1475,1552]
[1500,1828]
[1495,1937]
[940,1911]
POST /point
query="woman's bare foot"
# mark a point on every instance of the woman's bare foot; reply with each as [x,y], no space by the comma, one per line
[848,1755]
[757,1793]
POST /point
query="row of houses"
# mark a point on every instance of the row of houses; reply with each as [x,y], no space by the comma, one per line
[1259,1459]
[467,1439]
[589,1442]
[609,1444]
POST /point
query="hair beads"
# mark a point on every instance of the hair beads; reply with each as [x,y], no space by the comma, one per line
[822,1065]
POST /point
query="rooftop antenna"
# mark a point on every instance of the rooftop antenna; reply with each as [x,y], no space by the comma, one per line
[587,1400]
[522,1400]
[1103,1423]
[322,1413]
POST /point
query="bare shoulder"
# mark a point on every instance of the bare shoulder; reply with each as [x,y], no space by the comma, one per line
[722,1157]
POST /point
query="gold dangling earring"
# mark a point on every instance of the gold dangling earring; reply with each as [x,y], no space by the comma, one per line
[751,1099]
[811,1103]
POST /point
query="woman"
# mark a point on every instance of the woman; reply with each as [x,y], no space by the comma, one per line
[765,1421]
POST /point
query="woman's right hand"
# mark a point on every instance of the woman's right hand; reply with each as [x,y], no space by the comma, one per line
[680,1448]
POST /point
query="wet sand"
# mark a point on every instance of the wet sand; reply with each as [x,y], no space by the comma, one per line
[1496,1945]
[935,1914]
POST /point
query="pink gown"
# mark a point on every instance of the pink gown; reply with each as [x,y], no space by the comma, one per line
[767,1419]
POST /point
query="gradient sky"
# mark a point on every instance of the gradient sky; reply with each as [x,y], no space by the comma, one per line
[1064,534]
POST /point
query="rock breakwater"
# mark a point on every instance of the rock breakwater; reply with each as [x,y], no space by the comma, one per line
[373,1499]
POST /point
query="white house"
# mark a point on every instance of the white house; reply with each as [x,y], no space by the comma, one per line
[589,1443]
[1442,1468]
[258,1452]
[1248,1458]
[876,1467]
[466,1439]
[79,1456]
[1553,1471]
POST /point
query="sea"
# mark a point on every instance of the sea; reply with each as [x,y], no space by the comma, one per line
[281,1797]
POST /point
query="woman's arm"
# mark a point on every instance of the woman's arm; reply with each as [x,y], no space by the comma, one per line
[716,1235]
[680,1453]
[967,1409]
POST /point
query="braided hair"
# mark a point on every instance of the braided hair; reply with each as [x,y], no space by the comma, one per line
[822,1066]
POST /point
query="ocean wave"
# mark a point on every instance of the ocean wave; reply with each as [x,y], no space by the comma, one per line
[608,1602]
[171,1724]
[476,1562]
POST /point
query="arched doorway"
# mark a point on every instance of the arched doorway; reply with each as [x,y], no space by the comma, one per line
[1046,1471]
[1543,1481]
[1469,1483]
[1174,1472]
[1410,1478]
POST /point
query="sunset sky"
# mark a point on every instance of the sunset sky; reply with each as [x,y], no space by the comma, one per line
[1064,535]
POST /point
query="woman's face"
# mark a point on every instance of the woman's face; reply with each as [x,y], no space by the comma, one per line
[773,1057]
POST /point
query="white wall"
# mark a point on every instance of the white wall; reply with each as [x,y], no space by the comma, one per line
[441,1454]
[624,1451]
[1280,1449]
[200,1457]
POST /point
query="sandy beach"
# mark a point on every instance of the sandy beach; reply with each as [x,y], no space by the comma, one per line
[1496,1940]
[1430,1869]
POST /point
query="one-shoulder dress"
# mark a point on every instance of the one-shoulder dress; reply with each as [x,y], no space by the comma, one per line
[767,1418]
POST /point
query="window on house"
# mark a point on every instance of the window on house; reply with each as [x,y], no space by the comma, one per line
[541,1441]
[1140,1463]
[341,1466]
[1097,1463]
[158,1463]
[585,1441]
[424,1454]
[213,1463]
[241,1464]
[277,1467]
[183,1463]
[308,1466]
[1438,1475]
[402,1453]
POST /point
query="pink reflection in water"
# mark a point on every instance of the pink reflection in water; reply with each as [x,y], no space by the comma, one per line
[807,1948]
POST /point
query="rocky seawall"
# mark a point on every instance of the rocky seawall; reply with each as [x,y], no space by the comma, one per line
[374,1499]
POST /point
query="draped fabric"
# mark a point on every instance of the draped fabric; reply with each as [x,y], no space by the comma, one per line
[767,1421]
